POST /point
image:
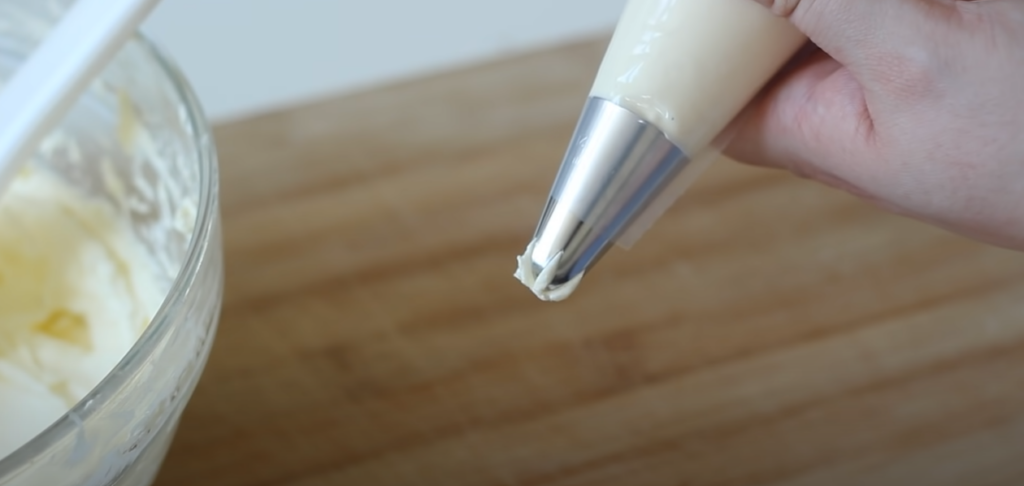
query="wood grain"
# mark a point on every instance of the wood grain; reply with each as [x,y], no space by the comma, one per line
[768,331]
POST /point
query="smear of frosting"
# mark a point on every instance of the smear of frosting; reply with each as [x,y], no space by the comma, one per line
[540,283]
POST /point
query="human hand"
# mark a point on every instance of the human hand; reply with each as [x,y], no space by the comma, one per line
[915,105]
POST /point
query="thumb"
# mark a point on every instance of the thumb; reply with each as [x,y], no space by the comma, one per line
[813,121]
[818,118]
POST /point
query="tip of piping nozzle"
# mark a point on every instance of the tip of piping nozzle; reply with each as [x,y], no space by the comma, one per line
[540,279]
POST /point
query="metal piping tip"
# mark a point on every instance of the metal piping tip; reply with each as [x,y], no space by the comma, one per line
[616,165]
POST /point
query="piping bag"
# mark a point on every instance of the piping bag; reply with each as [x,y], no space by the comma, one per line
[675,76]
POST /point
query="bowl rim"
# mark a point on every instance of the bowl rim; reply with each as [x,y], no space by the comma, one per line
[207,213]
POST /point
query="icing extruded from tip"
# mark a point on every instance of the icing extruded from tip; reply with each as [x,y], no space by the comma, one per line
[540,284]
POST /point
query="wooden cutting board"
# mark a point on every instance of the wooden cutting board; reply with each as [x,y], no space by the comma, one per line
[768,331]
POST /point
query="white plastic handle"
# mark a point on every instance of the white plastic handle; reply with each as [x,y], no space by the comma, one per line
[38,96]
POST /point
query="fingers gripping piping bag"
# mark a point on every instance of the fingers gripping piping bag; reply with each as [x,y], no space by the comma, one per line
[675,75]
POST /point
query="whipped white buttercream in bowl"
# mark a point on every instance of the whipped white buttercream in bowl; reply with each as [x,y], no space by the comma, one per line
[110,271]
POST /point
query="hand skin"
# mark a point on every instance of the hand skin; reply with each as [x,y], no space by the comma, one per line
[914,105]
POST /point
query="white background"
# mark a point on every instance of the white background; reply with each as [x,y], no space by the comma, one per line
[246,57]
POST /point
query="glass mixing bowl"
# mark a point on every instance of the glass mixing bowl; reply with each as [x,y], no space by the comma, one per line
[166,184]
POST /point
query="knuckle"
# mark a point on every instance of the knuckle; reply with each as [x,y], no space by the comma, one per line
[910,74]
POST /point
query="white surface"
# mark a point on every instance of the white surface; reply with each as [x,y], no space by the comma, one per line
[245,57]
